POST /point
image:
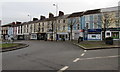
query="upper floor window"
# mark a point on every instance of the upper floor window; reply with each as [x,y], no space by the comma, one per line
[43,24]
[58,21]
[64,27]
[63,21]
[78,26]
[95,25]
[87,18]
[19,29]
[48,23]
[87,26]
[27,25]
[58,27]
[42,29]
[38,29]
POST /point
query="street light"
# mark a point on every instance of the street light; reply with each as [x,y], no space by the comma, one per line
[56,19]
[30,17]
[56,8]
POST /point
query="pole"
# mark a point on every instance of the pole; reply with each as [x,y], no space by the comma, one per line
[56,19]
[30,17]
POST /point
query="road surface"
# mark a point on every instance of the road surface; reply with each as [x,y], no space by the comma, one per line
[48,55]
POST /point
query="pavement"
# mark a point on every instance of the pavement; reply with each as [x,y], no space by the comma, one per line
[51,56]
[92,45]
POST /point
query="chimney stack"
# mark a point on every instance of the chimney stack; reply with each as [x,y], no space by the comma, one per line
[18,22]
[34,19]
[42,17]
[51,15]
[61,13]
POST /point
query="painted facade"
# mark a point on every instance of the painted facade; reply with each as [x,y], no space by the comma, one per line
[74,26]
[91,25]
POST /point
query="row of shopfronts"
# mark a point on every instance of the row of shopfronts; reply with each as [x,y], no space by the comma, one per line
[96,34]
[33,36]
[92,34]
[42,36]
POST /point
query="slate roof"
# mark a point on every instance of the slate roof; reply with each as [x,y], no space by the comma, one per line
[63,16]
[76,14]
[79,14]
[92,11]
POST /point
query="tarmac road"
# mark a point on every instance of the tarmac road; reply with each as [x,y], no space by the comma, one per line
[48,55]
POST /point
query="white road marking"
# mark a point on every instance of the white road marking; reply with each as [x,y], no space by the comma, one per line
[85,50]
[76,59]
[82,54]
[99,57]
[63,69]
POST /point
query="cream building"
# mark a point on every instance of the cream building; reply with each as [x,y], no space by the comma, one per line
[62,27]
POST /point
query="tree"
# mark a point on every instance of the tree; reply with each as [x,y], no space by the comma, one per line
[72,22]
[108,20]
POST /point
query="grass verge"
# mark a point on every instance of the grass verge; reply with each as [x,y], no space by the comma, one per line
[8,45]
[95,44]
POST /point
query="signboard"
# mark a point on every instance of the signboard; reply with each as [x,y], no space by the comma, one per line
[94,30]
[94,36]
[108,34]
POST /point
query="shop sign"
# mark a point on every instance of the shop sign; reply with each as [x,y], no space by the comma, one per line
[94,30]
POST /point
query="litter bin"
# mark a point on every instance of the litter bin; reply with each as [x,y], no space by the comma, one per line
[109,40]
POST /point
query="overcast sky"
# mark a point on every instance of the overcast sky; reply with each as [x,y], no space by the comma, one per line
[12,10]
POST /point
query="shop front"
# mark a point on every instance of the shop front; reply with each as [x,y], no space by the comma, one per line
[77,34]
[26,36]
[94,34]
[41,36]
[20,37]
[33,36]
[115,33]
[50,35]
[62,35]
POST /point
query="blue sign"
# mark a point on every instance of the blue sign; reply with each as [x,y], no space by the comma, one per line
[94,30]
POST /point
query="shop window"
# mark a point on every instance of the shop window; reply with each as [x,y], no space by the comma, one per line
[115,35]
[108,34]
[66,36]
[94,36]
[34,36]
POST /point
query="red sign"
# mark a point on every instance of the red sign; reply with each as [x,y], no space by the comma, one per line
[81,30]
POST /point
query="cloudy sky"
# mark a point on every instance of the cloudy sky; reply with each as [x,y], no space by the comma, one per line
[18,10]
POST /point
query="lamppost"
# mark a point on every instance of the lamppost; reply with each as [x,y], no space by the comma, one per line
[56,8]
[56,19]
[30,17]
